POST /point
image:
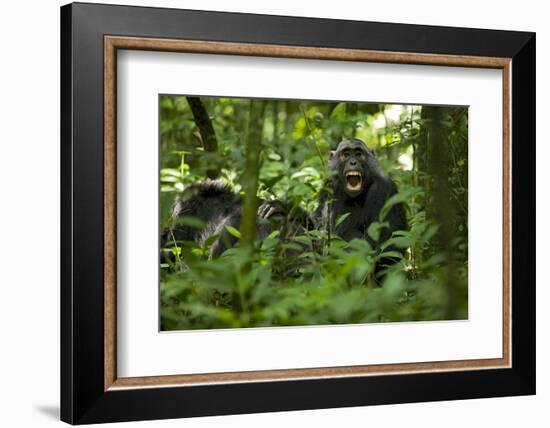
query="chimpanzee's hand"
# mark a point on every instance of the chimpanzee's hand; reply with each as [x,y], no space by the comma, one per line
[271,209]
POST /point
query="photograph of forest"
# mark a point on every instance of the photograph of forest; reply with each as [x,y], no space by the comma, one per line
[303,212]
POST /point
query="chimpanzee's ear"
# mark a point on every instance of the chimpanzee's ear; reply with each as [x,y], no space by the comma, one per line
[332,152]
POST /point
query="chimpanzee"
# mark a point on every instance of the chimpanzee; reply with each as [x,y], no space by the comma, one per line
[360,188]
[217,206]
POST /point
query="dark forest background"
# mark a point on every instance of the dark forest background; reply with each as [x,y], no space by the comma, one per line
[284,144]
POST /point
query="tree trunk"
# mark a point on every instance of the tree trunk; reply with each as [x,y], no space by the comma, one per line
[443,211]
[206,130]
[252,172]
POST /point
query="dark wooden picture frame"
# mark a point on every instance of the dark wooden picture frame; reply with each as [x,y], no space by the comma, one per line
[90,390]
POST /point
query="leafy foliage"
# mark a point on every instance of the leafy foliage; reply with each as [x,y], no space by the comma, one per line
[314,278]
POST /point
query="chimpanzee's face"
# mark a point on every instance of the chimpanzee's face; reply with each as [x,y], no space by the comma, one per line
[349,163]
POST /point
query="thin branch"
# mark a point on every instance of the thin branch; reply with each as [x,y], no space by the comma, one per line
[206,130]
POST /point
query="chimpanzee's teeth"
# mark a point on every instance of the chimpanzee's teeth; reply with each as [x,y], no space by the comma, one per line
[353,180]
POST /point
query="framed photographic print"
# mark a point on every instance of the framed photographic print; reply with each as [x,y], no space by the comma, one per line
[265,213]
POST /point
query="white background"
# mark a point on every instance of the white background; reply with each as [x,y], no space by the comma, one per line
[29,173]
[142,351]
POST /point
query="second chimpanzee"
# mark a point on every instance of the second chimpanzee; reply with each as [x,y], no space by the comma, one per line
[217,207]
[360,188]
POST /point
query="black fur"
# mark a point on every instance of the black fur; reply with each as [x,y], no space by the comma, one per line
[363,203]
[217,206]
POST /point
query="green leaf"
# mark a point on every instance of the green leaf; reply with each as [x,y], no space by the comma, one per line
[398,198]
[233,231]
[432,230]
[374,230]
[397,241]
[341,218]
[339,112]
[273,234]
[170,172]
[393,254]
[194,222]
[211,240]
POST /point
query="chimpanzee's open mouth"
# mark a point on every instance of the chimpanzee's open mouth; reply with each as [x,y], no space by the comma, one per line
[353,181]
